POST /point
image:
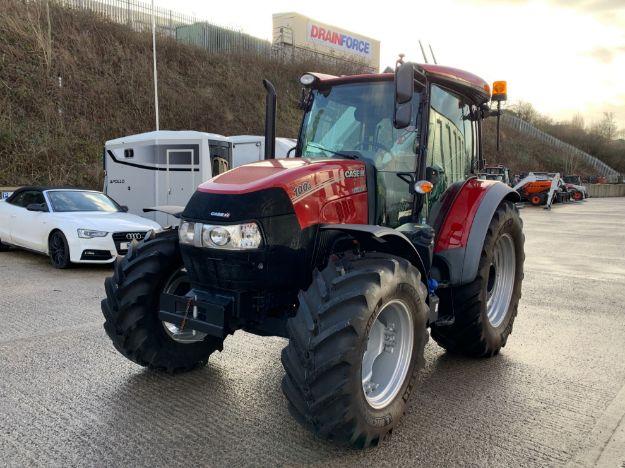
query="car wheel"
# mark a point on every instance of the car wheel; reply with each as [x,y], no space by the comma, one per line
[58,250]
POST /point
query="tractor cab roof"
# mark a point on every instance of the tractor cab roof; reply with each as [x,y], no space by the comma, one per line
[464,82]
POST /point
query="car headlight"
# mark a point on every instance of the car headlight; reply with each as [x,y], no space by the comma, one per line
[232,237]
[90,233]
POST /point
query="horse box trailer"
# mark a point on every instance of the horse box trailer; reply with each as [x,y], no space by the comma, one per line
[163,168]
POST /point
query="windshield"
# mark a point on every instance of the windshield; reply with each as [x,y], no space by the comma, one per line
[356,121]
[73,200]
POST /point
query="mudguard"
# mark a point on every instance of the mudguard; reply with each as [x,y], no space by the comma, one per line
[461,234]
[385,240]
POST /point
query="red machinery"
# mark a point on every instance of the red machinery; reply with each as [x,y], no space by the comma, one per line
[376,231]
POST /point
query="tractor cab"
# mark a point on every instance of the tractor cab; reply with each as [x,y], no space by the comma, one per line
[417,141]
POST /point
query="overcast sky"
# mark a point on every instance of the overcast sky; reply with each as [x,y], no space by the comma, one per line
[563,56]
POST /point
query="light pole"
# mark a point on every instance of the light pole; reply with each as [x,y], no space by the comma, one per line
[154,63]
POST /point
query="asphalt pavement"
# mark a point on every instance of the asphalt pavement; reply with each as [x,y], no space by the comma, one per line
[555,396]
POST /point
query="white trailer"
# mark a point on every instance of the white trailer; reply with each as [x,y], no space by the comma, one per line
[250,148]
[164,168]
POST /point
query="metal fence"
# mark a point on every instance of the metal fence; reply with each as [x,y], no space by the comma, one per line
[521,125]
[134,13]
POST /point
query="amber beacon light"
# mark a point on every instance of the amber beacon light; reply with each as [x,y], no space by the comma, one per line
[500,91]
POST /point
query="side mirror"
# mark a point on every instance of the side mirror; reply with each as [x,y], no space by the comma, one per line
[404,90]
[124,208]
[37,207]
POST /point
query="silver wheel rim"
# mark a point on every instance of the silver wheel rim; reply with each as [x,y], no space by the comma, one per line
[501,280]
[178,283]
[386,360]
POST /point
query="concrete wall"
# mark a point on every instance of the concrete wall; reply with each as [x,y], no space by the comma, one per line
[606,190]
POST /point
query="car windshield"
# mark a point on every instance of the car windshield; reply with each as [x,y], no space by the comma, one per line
[74,200]
[356,121]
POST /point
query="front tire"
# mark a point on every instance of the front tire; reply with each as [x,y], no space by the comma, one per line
[342,380]
[58,250]
[484,310]
[132,304]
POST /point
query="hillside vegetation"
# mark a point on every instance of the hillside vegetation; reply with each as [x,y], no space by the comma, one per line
[70,80]
[75,80]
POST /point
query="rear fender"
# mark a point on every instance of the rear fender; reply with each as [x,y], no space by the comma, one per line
[460,238]
[383,239]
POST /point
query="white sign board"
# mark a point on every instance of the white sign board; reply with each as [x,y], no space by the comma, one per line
[319,33]
[5,195]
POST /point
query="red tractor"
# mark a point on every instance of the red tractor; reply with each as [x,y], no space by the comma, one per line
[375,232]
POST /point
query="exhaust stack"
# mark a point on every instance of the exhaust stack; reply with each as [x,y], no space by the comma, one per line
[270,120]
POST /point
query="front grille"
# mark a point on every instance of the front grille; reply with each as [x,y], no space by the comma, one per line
[123,239]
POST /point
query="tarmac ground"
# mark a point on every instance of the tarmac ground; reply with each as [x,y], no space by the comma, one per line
[555,396]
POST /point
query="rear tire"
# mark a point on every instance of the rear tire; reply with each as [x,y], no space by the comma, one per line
[339,317]
[132,303]
[578,196]
[482,326]
[58,250]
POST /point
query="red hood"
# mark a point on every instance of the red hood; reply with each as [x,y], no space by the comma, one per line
[312,186]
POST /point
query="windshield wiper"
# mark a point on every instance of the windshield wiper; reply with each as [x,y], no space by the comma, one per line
[348,155]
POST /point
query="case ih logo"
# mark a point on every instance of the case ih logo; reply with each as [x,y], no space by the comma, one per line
[134,236]
[219,214]
[354,173]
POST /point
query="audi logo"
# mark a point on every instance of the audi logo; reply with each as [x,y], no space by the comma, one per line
[134,235]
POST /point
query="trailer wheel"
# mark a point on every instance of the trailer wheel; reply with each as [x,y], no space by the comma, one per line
[355,346]
[485,309]
[132,303]
[537,199]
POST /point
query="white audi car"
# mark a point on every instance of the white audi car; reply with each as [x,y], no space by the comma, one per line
[69,225]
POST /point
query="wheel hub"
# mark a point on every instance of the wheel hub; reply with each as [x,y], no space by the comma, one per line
[386,361]
[179,285]
[501,278]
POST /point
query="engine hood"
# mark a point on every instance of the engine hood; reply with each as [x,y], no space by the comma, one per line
[310,185]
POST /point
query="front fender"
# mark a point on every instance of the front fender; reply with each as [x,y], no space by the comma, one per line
[383,239]
[463,229]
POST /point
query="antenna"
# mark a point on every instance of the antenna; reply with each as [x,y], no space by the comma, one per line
[433,56]
[423,52]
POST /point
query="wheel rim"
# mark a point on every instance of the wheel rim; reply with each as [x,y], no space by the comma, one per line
[386,360]
[178,284]
[501,280]
[57,249]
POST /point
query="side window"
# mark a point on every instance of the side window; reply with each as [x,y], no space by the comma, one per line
[26,198]
[451,142]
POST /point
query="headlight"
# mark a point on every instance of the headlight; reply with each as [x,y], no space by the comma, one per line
[90,233]
[233,237]
[186,233]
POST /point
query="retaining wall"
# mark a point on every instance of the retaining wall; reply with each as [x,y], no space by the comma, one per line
[606,190]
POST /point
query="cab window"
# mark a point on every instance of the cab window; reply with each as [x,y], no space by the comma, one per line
[451,142]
